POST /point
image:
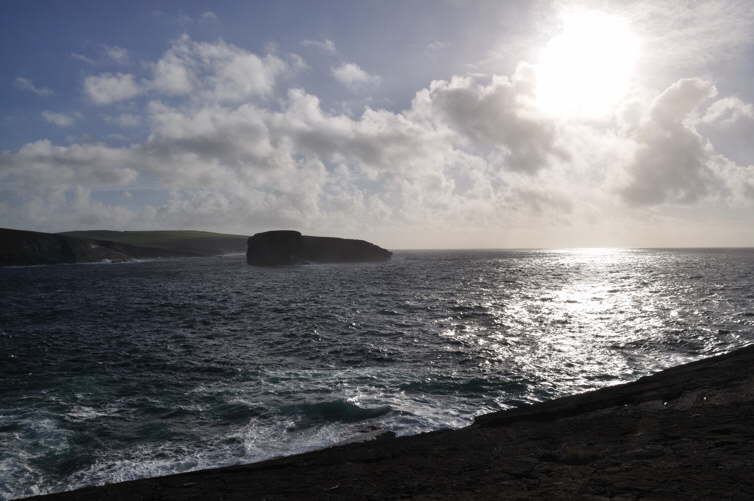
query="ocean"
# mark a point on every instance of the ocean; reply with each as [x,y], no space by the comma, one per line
[112,372]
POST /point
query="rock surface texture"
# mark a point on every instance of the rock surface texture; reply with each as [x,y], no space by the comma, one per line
[684,433]
[273,248]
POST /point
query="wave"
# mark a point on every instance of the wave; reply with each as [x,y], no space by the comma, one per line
[343,411]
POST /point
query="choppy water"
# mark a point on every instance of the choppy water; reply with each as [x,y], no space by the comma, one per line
[121,371]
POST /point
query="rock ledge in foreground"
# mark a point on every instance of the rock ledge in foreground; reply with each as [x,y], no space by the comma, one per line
[282,247]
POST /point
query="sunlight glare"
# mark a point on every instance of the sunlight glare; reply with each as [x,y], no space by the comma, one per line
[585,70]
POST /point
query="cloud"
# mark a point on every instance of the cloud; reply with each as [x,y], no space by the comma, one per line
[672,163]
[125,120]
[41,166]
[218,71]
[82,57]
[204,71]
[437,45]
[208,16]
[353,77]
[227,147]
[26,84]
[117,55]
[60,119]
[691,34]
[729,125]
[499,115]
[109,88]
[294,164]
[327,46]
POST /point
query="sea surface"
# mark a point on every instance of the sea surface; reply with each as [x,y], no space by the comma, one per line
[112,372]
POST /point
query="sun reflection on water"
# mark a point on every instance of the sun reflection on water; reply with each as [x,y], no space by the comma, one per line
[589,319]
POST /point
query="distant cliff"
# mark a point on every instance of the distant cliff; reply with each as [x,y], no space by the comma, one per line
[291,247]
[195,243]
[18,247]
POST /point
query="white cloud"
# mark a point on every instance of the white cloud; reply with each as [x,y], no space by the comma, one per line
[671,163]
[353,77]
[437,45]
[217,71]
[203,71]
[117,55]
[41,166]
[109,88]
[470,152]
[683,35]
[60,119]
[729,125]
[208,16]
[327,46]
[125,120]
[82,57]
[26,84]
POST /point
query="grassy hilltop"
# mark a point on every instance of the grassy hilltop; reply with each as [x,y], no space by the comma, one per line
[20,247]
[195,242]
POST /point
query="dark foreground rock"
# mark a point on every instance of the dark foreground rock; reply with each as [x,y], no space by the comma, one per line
[685,433]
[273,248]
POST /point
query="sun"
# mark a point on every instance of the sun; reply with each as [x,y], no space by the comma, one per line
[585,70]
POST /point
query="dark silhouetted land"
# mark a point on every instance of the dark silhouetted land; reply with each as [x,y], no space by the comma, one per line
[18,247]
[284,247]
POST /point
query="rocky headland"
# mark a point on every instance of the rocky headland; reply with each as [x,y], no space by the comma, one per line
[20,248]
[683,433]
[273,248]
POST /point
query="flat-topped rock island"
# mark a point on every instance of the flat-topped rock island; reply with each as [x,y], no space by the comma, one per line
[284,247]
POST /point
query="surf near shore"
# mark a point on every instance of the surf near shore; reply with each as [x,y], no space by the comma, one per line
[683,433]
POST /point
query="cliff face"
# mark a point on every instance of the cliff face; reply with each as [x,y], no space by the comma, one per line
[19,248]
[291,247]
[198,243]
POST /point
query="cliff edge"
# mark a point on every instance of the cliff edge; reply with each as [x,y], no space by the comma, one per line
[272,248]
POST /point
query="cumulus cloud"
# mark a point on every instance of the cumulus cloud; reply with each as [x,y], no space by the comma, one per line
[109,88]
[470,152]
[327,46]
[219,71]
[499,115]
[60,119]
[295,164]
[41,166]
[672,163]
[204,71]
[353,77]
[26,84]
[729,125]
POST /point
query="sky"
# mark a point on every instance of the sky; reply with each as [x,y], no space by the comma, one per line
[412,124]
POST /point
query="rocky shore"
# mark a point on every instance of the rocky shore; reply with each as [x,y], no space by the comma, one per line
[684,433]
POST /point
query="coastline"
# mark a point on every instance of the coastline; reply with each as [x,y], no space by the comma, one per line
[682,433]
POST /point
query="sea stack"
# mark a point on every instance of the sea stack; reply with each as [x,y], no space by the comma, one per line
[272,248]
